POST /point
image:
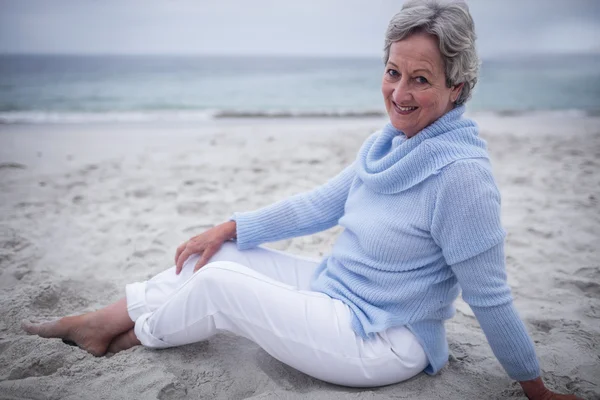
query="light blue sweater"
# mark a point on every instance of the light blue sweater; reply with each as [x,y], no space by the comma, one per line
[421,217]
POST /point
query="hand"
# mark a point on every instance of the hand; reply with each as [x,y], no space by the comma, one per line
[207,244]
[535,390]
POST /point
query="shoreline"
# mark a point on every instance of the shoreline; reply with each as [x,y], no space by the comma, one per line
[203,117]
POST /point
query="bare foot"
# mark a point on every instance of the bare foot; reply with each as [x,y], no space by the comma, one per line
[87,331]
[124,341]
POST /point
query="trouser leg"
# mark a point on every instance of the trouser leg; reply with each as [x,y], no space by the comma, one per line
[143,297]
[307,330]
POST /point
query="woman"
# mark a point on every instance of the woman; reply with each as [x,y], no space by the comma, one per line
[421,213]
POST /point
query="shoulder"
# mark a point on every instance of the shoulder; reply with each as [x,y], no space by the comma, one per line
[465,183]
[466,172]
[466,213]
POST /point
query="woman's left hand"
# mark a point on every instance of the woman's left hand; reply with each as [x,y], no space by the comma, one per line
[536,390]
[549,395]
[555,396]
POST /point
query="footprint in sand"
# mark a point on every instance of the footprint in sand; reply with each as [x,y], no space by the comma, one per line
[457,352]
[76,184]
[12,165]
[30,205]
[593,312]
[37,364]
[11,240]
[18,256]
[47,297]
[541,234]
[21,270]
[543,325]
[152,253]
[87,169]
[586,279]
[141,193]
[189,208]
[522,180]
[172,391]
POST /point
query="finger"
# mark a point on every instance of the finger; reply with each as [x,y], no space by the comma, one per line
[181,260]
[179,251]
[206,255]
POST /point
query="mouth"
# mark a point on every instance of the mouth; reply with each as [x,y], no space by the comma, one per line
[403,110]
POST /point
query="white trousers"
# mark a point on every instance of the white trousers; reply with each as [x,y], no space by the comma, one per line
[263,295]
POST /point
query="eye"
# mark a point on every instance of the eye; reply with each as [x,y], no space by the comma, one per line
[421,79]
[392,73]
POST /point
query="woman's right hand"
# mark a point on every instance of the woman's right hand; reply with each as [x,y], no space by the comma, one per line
[207,244]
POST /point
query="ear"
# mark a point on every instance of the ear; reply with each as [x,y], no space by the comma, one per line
[456,90]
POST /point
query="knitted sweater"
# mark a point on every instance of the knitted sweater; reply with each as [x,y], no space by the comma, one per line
[421,220]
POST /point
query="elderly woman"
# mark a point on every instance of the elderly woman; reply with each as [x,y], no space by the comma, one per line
[421,217]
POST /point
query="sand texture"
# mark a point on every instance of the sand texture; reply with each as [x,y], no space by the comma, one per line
[86,209]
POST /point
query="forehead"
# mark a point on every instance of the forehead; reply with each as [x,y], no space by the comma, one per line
[417,51]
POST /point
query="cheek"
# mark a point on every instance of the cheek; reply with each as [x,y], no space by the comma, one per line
[427,100]
[386,89]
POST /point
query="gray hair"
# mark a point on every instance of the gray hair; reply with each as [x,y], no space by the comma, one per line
[452,24]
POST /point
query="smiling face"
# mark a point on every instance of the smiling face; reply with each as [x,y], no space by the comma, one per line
[414,84]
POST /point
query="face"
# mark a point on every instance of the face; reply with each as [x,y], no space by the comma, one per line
[414,84]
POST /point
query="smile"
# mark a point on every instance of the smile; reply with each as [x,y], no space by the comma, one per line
[404,110]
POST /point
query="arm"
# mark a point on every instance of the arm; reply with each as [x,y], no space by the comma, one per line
[466,225]
[299,215]
[483,282]
[485,289]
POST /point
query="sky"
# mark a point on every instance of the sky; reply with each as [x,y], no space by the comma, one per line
[278,27]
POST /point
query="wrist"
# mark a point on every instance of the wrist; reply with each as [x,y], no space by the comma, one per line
[534,389]
[228,230]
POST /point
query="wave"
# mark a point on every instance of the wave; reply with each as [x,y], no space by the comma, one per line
[550,113]
[299,114]
[67,117]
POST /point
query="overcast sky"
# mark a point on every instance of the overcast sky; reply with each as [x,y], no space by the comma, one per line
[307,27]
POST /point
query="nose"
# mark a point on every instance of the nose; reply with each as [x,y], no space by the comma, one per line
[402,93]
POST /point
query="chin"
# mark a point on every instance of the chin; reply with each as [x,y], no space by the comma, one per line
[402,123]
[407,129]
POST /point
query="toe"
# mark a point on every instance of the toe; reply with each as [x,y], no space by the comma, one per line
[29,327]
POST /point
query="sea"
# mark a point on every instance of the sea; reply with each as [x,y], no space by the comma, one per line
[96,89]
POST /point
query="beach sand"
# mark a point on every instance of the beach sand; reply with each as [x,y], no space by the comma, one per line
[85,209]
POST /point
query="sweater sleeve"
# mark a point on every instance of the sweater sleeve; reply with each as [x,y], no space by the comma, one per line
[299,215]
[484,287]
[466,213]
[466,225]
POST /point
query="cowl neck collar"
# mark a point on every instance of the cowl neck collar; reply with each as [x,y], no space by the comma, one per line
[389,162]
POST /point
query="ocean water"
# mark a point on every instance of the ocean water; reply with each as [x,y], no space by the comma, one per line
[52,88]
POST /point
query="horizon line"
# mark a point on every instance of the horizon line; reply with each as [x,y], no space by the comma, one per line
[281,55]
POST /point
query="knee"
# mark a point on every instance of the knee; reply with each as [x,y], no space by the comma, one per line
[216,272]
[228,251]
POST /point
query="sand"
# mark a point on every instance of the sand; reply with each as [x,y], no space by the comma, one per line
[85,209]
